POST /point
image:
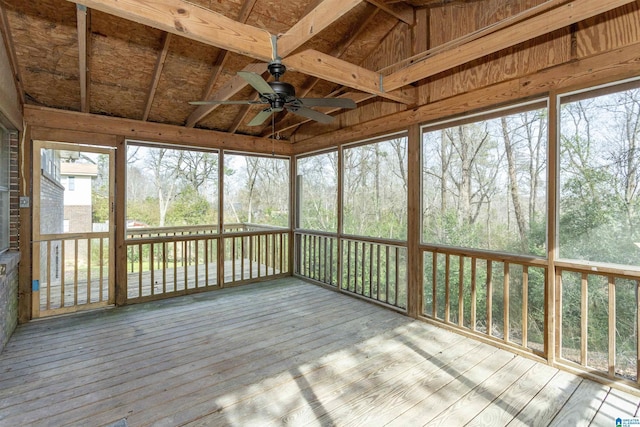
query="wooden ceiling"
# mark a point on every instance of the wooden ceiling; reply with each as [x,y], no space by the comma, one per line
[146,59]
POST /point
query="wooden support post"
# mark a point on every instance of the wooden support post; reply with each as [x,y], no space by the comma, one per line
[550,326]
[414,255]
[120,201]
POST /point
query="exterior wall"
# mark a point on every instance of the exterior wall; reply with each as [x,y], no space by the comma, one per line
[51,203]
[9,260]
[78,218]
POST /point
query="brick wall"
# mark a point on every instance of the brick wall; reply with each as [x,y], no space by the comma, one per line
[10,259]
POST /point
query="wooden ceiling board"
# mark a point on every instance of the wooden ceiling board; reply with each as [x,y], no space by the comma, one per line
[185,74]
[122,60]
[46,47]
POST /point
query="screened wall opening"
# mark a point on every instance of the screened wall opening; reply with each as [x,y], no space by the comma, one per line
[484,218]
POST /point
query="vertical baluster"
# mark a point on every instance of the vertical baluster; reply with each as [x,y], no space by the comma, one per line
[525,306]
[461,291]
[584,318]
[281,248]
[139,270]
[397,261]
[559,314]
[233,257]
[259,253]
[88,285]
[348,265]
[76,243]
[447,291]
[48,266]
[473,294]
[434,283]
[164,267]
[186,262]
[331,277]
[206,242]
[101,268]
[363,268]
[612,326]
[62,271]
[251,255]
[387,263]
[370,271]
[489,297]
[175,265]
[151,268]
[378,273]
[505,301]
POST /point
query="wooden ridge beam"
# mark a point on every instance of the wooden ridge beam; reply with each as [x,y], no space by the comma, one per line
[325,14]
[147,131]
[549,21]
[232,87]
[598,69]
[157,72]
[333,69]
[192,21]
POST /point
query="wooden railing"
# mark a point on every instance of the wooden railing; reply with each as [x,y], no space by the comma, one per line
[587,297]
[500,297]
[374,269]
[179,260]
[254,255]
[317,257]
[73,272]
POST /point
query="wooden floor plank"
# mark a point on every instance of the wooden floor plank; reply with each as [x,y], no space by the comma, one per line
[548,401]
[582,406]
[280,352]
[506,406]
[486,393]
[617,404]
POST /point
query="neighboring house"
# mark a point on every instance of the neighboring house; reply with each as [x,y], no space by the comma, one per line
[76,179]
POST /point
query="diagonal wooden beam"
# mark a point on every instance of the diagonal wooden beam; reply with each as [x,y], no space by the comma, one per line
[219,65]
[157,72]
[192,21]
[312,23]
[543,23]
[84,27]
[405,15]
[232,87]
[11,52]
[327,67]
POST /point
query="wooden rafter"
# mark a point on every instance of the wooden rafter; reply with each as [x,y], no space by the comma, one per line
[11,52]
[84,38]
[218,65]
[157,72]
[543,23]
[335,70]
[208,27]
[326,13]
[232,87]
[192,21]
[405,15]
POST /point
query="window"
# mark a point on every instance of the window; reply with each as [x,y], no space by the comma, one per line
[172,187]
[71,183]
[4,189]
[317,188]
[375,189]
[484,182]
[256,191]
[599,161]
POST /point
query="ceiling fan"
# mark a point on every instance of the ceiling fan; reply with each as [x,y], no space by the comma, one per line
[279,96]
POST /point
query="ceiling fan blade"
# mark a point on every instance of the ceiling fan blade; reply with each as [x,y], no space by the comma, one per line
[261,117]
[328,102]
[256,81]
[310,114]
[214,102]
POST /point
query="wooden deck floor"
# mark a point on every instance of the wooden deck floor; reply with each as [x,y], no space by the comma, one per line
[279,353]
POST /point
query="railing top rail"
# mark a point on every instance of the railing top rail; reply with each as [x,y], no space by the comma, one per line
[489,255]
[621,271]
